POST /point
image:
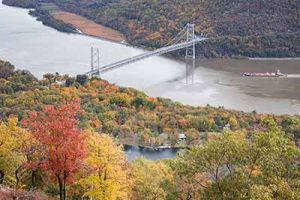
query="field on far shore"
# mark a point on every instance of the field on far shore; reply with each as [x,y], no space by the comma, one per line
[88,27]
[83,24]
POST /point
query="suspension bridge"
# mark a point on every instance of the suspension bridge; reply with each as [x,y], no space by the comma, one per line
[184,39]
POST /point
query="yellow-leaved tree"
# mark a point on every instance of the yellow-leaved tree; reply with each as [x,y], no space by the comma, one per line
[11,157]
[109,177]
[152,180]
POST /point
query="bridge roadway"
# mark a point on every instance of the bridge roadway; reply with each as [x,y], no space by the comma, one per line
[156,52]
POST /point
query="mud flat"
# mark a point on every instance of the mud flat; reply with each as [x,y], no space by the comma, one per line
[88,27]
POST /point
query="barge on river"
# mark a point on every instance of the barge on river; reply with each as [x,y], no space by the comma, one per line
[267,74]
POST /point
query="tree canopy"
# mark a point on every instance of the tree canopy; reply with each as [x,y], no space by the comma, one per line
[67,144]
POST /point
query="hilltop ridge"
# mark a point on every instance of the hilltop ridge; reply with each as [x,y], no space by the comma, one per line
[260,28]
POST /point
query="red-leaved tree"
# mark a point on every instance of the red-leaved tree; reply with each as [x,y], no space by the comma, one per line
[56,129]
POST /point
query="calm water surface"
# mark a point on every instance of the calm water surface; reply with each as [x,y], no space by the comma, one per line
[134,152]
[29,45]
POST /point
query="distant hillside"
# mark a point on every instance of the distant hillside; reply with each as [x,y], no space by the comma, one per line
[21,3]
[258,28]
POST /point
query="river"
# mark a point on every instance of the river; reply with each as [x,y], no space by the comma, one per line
[30,45]
[134,152]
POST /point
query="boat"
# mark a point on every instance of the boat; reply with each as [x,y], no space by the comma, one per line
[267,74]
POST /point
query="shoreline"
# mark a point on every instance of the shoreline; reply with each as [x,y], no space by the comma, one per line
[277,59]
[62,16]
[76,22]
[88,27]
[105,39]
[154,148]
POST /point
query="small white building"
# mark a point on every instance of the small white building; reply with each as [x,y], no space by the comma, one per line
[181,137]
[227,127]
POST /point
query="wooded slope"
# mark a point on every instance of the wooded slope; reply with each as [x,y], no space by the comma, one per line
[258,28]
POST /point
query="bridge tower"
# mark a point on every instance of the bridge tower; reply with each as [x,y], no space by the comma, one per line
[190,36]
[95,61]
[190,53]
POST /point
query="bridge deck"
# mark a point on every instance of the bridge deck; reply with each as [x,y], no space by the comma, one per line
[156,52]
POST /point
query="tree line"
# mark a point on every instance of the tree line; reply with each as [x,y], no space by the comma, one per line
[125,113]
[260,28]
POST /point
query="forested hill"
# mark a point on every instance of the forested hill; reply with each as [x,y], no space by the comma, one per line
[124,112]
[262,28]
[53,146]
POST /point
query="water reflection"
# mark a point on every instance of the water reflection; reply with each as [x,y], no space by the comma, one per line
[190,70]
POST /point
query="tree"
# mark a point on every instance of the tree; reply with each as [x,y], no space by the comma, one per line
[56,128]
[30,172]
[151,180]
[216,160]
[192,135]
[50,78]
[70,81]
[17,150]
[82,79]
[273,154]
[15,143]
[120,99]
[233,123]
[6,69]
[139,101]
[238,168]
[108,179]
[9,159]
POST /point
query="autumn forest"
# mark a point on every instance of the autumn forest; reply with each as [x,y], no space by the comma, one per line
[237,28]
[61,137]
[65,137]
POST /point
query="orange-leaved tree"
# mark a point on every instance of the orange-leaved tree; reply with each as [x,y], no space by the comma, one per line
[56,129]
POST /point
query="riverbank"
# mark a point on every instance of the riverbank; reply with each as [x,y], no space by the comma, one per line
[297,58]
[50,15]
[150,29]
[81,24]
[134,142]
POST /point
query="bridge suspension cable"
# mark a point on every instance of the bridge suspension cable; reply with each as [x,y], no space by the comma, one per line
[173,45]
[178,36]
